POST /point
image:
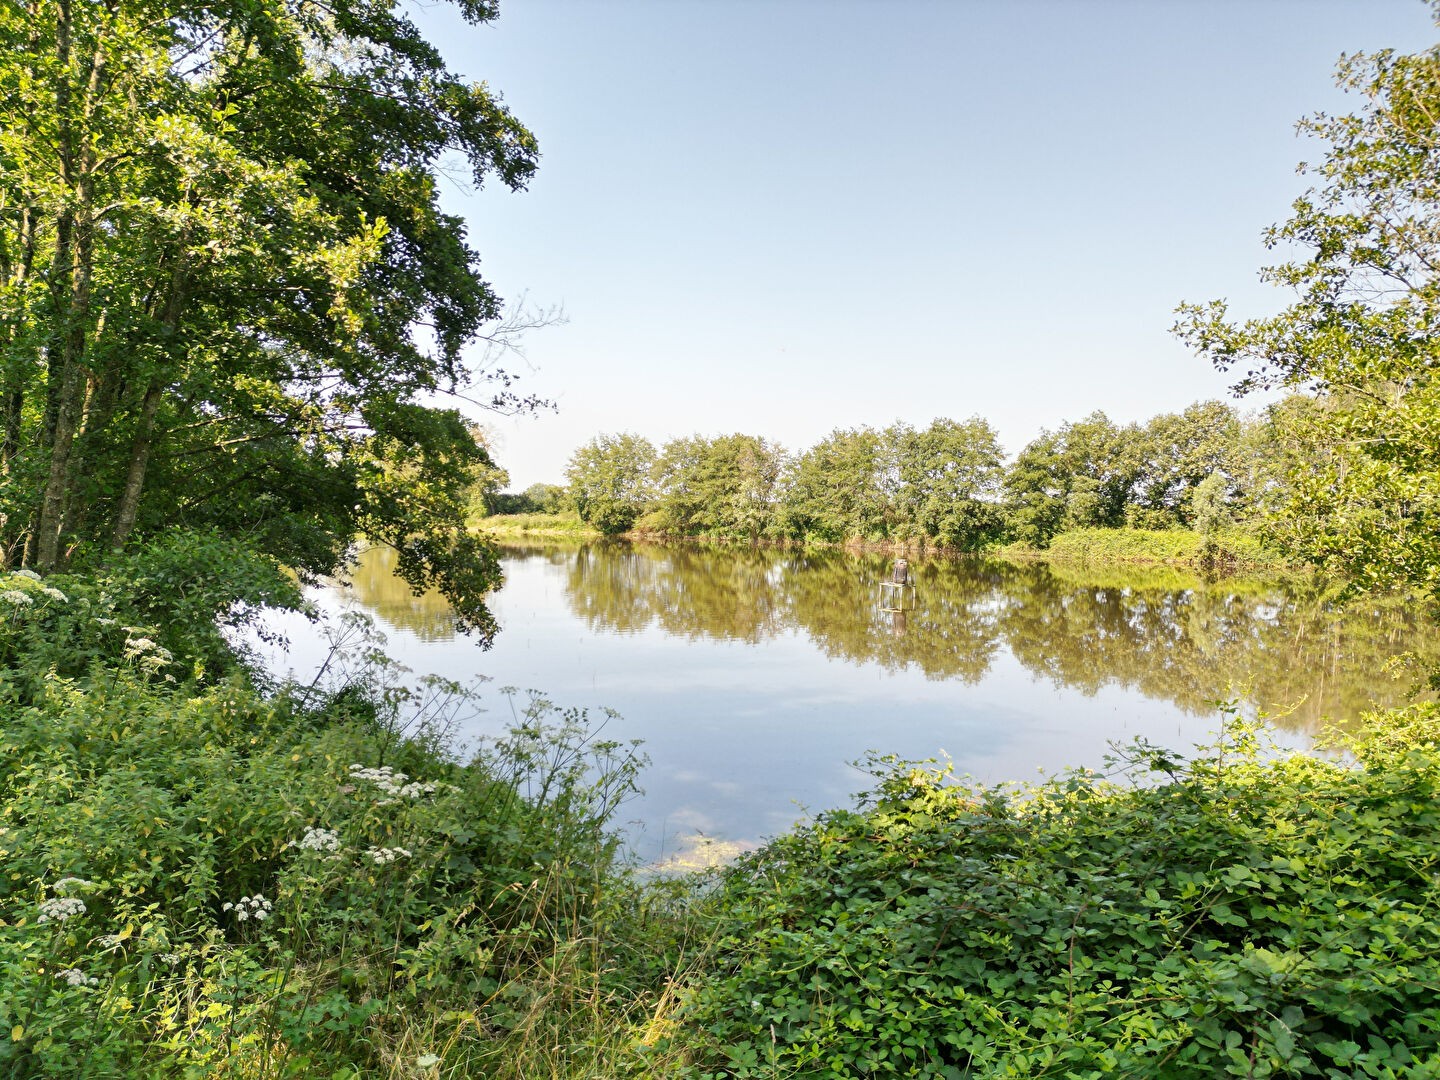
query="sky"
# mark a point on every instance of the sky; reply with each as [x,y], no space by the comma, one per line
[783,217]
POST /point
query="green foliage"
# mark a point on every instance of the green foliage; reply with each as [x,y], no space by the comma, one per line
[565,524]
[1079,476]
[300,884]
[1244,916]
[226,284]
[840,488]
[164,608]
[725,487]
[1215,548]
[536,499]
[609,481]
[1361,476]
[945,486]
[949,482]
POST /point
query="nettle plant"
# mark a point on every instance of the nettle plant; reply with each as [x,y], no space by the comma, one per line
[1247,915]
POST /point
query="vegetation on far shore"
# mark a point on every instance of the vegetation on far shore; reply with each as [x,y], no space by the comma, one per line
[1227,551]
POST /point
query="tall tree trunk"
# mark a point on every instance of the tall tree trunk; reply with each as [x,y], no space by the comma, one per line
[15,269]
[75,259]
[129,505]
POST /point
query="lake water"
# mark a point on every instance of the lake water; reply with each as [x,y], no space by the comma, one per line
[756,676]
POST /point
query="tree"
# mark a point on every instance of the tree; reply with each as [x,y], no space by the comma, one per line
[839,490]
[1362,490]
[1180,451]
[609,480]
[725,486]
[227,290]
[1081,475]
[546,498]
[950,480]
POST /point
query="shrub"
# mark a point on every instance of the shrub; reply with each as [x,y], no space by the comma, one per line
[1246,916]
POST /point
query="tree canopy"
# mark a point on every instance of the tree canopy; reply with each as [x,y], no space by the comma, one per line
[1362,334]
[609,480]
[229,297]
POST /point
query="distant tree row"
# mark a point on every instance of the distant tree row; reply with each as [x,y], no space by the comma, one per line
[948,485]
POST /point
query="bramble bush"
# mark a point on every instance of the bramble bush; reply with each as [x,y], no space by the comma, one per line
[1248,916]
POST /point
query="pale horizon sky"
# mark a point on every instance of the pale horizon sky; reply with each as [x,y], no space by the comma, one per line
[785,217]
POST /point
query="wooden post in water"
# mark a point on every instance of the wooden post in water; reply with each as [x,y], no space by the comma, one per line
[893,595]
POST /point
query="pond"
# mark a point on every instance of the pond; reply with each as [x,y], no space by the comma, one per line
[756,676]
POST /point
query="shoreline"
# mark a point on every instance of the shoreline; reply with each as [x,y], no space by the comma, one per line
[1230,554]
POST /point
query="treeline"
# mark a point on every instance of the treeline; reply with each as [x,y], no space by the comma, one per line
[947,485]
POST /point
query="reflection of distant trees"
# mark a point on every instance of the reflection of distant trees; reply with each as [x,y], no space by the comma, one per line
[1169,635]
[373,581]
[1166,634]
[685,591]
[949,633]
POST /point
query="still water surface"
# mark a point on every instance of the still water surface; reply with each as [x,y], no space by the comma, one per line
[755,676]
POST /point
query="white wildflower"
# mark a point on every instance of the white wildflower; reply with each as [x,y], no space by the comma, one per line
[60,909]
[171,958]
[391,782]
[55,594]
[249,907]
[104,622]
[144,651]
[427,1061]
[383,855]
[108,941]
[318,840]
[28,574]
[14,596]
[65,884]
[76,977]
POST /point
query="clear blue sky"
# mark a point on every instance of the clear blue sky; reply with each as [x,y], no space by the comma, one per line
[789,216]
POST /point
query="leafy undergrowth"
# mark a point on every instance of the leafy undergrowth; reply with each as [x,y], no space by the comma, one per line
[1246,917]
[203,880]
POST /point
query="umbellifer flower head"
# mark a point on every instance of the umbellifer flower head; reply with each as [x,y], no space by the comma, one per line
[60,908]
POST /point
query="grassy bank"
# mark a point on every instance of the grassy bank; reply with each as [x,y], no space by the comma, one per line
[567,525]
[1226,551]
[208,877]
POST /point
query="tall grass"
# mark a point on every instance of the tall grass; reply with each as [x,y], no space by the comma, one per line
[1225,550]
[201,879]
[563,525]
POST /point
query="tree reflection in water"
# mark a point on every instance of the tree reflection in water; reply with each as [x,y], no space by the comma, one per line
[1166,634]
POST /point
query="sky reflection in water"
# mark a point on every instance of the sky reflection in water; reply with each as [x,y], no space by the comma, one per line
[755,677]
